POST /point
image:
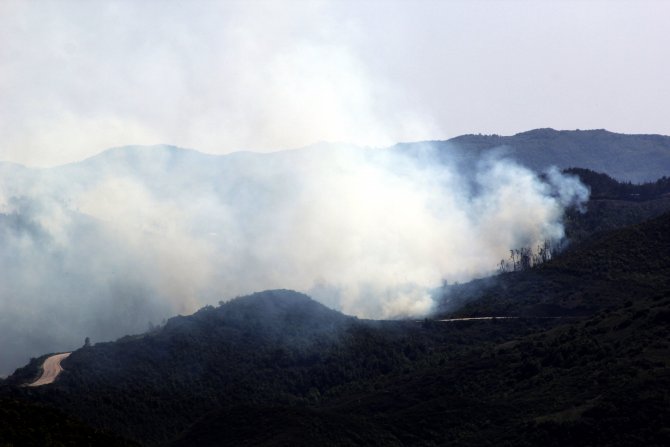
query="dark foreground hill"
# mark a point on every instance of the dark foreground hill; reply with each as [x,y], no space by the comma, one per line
[599,380]
[267,350]
[276,368]
[26,424]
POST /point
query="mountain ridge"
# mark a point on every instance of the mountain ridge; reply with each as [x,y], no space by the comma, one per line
[535,148]
[626,157]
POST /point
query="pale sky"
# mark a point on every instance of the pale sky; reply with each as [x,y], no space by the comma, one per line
[77,77]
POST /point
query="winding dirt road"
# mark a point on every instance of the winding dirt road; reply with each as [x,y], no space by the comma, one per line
[50,369]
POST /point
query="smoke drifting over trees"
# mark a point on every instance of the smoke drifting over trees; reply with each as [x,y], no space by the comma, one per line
[102,247]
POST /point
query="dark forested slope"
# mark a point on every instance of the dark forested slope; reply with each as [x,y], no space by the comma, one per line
[601,379]
[26,424]
[270,349]
[614,204]
[604,271]
[277,368]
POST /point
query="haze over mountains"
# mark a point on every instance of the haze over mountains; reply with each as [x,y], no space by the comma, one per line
[229,222]
[125,239]
[308,375]
[109,243]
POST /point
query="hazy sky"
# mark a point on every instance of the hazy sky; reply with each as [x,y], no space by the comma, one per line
[77,77]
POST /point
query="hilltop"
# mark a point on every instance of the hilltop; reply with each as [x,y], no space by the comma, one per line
[634,158]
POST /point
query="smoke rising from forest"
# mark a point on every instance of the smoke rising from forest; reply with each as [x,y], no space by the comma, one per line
[102,247]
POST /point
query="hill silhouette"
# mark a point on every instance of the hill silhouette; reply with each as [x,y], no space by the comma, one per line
[634,158]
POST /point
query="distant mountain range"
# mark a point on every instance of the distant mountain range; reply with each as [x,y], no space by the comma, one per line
[634,158]
[625,157]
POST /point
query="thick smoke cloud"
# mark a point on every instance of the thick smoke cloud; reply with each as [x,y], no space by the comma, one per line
[102,247]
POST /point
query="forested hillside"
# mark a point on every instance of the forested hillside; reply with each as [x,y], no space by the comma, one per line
[614,204]
[267,349]
[605,271]
[26,424]
[599,379]
[313,376]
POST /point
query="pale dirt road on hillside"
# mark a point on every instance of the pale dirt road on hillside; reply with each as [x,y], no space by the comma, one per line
[478,318]
[50,369]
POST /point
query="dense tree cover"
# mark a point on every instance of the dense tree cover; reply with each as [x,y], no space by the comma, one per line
[615,204]
[28,373]
[604,271]
[276,368]
[26,424]
[612,205]
[610,214]
[603,186]
[597,381]
[272,348]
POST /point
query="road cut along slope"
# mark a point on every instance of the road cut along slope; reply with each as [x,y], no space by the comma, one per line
[50,369]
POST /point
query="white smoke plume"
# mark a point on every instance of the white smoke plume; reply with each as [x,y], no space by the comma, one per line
[102,247]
